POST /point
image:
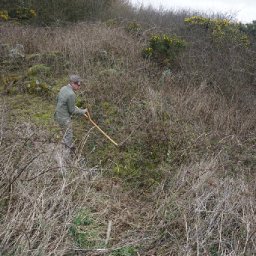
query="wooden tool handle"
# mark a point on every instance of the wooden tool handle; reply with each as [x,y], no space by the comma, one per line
[87,115]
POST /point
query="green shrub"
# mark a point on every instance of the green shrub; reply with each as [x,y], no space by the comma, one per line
[164,49]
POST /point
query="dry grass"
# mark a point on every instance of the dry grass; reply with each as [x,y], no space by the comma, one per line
[204,203]
[206,214]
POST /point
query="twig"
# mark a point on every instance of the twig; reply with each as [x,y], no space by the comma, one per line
[108,232]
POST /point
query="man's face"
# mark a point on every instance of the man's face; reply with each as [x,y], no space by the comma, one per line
[76,86]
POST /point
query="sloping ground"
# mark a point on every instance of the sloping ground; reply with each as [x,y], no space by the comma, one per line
[41,206]
[183,182]
[40,199]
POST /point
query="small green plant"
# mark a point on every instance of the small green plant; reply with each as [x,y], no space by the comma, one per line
[164,49]
[86,231]
[125,251]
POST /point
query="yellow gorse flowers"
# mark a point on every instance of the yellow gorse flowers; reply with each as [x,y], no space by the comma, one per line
[164,49]
[220,29]
[4,15]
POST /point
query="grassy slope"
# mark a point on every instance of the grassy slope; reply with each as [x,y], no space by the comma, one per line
[183,182]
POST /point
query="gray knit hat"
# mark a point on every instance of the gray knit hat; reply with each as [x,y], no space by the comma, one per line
[75,79]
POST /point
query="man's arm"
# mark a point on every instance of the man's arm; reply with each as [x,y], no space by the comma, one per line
[72,108]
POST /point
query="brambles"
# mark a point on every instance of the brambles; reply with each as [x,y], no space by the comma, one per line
[164,49]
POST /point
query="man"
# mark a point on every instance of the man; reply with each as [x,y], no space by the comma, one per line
[66,108]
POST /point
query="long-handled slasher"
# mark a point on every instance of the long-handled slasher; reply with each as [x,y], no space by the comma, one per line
[88,116]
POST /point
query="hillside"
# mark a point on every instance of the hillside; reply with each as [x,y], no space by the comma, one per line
[182,181]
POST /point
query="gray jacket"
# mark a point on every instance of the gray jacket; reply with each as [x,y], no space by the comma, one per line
[66,105]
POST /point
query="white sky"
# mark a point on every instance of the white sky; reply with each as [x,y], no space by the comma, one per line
[243,10]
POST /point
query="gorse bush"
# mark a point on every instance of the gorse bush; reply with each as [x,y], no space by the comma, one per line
[133,27]
[22,13]
[164,49]
[220,30]
[4,15]
[219,53]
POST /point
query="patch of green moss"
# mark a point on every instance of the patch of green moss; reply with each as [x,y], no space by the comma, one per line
[33,108]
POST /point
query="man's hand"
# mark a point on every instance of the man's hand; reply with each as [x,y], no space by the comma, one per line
[86,113]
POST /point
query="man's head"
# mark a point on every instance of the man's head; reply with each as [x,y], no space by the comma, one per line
[75,82]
